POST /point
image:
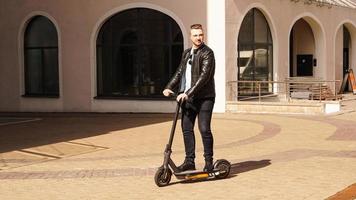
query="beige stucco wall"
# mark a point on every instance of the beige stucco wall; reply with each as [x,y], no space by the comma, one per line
[77,23]
[281,16]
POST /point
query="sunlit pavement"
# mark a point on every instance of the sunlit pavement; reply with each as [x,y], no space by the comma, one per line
[115,156]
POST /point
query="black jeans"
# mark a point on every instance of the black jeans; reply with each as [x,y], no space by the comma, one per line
[203,108]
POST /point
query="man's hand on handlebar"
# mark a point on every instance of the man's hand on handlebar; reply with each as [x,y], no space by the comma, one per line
[180,98]
[167,92]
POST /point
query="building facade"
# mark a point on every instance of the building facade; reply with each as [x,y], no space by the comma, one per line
[116,56]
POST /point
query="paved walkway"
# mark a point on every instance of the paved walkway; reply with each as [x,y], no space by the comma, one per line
[115,156]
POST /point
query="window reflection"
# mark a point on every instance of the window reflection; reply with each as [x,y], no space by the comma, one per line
[137,52]
[254,53]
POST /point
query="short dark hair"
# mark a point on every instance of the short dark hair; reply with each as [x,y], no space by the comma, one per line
[196,26]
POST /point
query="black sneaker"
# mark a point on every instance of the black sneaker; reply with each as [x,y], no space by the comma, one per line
[209,167]
[187,165]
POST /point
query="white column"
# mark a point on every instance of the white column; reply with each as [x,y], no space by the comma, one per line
[216,41]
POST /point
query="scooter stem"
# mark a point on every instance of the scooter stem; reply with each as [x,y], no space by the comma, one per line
[169,145]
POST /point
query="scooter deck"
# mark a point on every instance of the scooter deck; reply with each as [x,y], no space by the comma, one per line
[193,172]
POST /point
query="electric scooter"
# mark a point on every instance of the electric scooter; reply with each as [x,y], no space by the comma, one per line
[164,173]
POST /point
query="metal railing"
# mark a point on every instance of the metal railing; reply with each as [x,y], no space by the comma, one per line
[287,90]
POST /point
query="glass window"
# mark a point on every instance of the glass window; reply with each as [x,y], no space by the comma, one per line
[261,30]
[41,58]
[138,50]
[247,28]
[254,52]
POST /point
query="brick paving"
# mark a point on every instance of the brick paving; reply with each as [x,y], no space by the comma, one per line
[272,156]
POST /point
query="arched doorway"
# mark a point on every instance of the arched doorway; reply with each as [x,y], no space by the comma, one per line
[346,54]
[302,50]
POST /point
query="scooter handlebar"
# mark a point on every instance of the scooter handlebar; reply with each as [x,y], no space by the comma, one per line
[175,95]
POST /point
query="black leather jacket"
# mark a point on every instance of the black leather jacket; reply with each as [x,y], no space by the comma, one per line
[203,69]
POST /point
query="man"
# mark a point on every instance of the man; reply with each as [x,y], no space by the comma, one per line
[195,79]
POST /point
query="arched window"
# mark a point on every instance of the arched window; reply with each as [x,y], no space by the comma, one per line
[255,54]
[41,58]
[138,50]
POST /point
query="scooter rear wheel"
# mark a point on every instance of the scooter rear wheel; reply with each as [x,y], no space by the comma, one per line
[224,168]
[163,177]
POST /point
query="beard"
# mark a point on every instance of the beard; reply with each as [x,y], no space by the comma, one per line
[198,43]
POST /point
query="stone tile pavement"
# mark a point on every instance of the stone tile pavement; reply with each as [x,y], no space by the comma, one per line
[115,156]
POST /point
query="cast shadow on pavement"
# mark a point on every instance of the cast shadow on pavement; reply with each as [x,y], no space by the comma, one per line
[236,168]
[62,127]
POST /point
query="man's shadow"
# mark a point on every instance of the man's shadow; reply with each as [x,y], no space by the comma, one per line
[236,168]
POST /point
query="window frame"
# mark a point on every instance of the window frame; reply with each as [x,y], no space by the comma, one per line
[268,45]
[26,49]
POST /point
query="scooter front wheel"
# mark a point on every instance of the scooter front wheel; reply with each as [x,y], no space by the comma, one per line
[224,168]
[163,177]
